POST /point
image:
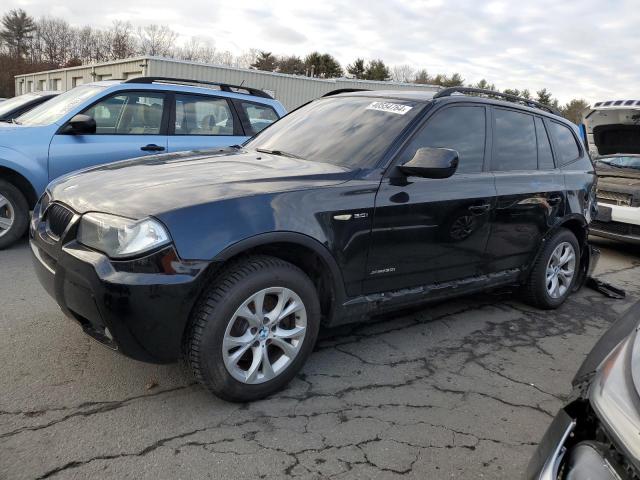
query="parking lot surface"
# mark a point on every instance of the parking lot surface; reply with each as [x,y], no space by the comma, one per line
[462,389]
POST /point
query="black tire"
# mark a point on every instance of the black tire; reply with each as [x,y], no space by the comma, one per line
[238,282]
[535,290]
[19,207]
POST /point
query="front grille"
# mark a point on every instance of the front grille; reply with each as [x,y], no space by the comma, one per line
[618,228]
[614,198]
[57,218]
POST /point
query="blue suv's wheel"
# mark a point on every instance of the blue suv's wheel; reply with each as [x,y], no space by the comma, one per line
[14,214]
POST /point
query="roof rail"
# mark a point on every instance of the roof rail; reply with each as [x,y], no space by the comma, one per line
[447,92]
[225,87]
[345,90]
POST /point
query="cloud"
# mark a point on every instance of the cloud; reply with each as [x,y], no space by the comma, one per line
[575,49]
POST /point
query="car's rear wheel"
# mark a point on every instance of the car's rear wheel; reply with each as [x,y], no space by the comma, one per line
[555,271]
[254,329]
[14,214]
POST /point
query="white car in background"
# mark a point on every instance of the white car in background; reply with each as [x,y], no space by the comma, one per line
[613,137]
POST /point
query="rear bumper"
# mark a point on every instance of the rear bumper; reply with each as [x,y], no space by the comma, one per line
[120,304]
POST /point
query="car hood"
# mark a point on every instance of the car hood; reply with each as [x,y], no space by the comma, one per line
[613,130]
[162,183]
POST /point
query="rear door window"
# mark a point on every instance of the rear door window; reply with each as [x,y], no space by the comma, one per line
[200,115]
[568,149]
[514,141]
[461,128]
[545,156]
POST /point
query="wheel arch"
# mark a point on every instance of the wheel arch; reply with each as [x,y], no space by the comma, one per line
[303,251]
[21,183]
[576,224]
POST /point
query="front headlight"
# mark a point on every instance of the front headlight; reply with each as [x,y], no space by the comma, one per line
[121,237]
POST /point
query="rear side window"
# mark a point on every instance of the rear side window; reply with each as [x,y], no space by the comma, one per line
[545,157]
[568,150]
[459,128]
[259,116]
[514,142]
[199,115]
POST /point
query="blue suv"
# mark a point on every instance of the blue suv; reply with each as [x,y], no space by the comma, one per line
[106,121]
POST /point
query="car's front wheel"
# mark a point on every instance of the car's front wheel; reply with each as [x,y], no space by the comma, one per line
[254,329]
[14,214]
[554,274]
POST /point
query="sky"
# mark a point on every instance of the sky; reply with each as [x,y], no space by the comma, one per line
[576,49]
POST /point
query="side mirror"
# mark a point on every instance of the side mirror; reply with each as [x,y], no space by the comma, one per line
[431,163]
[80,125]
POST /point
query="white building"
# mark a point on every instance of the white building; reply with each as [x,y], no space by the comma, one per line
[291,90]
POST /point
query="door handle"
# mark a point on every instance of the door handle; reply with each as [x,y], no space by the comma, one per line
[152,147]
[480,208]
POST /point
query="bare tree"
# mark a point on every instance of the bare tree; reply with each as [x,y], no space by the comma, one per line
[225,58]
[122,43]
[55,37]
[197,49]
[156,40]
[246,59]
[403,73]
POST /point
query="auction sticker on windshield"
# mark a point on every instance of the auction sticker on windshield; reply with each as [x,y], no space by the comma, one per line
[389,107]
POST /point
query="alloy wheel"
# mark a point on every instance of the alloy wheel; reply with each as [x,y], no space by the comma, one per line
[560,270]
[264,335]
[7,215]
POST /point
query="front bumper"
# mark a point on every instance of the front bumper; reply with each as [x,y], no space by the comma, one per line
[617,223]
[138,307]
[546,461]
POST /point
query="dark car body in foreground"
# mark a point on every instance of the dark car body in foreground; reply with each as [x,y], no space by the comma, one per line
[14,107]
[344,209]
[597,434]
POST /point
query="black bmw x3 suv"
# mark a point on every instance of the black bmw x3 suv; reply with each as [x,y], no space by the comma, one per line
[353,205]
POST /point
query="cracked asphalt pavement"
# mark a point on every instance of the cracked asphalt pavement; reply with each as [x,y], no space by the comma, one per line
[462,389]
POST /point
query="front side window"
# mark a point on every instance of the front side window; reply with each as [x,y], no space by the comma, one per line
[199,115]
[568,150]
[514,142]
[131,113]
[259,116]
[354,132]
[53,110]
[459,128]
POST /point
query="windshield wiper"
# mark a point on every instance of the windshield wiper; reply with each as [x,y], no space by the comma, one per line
[13,120]
[279,153]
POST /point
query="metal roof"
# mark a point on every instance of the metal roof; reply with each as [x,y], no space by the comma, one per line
[399,94]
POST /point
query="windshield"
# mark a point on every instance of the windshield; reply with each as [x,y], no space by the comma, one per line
[621,162]
[16,102]
[54,109]
[352,132]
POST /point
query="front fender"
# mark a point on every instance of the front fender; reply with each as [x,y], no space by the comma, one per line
[33,169]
